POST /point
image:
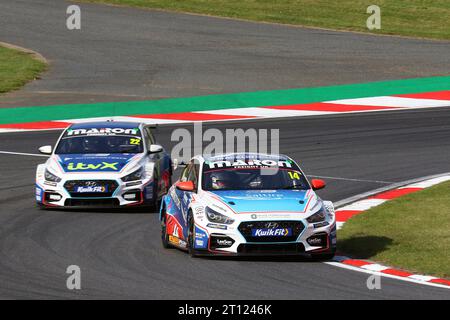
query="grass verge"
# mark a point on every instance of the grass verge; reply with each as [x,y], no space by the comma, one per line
[411,232]
[17,68]
[417,18]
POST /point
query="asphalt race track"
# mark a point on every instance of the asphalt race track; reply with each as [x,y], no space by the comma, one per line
[119,253]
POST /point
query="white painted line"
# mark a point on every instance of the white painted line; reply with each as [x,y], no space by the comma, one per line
[265,112]
[158,121]
[24,154]
[363,205]
[407,279]
[339,224]
[422,277]
[427,183]
[127,119]
[388,101]
[12,130]
[27,130]
[375,267]
[350,179]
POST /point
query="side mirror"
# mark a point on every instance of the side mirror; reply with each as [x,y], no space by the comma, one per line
[155,148]
[317,184]
[45,149]
[185,186]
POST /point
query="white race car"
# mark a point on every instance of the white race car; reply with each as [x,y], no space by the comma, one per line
[247,204]
[103,164]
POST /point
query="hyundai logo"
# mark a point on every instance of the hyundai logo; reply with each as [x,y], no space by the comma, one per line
[271,225]
[90,184]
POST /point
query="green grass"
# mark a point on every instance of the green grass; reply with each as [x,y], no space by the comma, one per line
[411,232]
[418,18]
[17,68]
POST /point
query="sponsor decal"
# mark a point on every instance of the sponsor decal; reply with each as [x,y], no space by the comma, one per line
[101,166]
[315,241]
[39,193]
[174,240]
[256,163]
[318,240]
[101,131]
[200,235]
[174,197]
[320,224]
[216,226]
[224,242]
[84,189]
[199,211]
[199,244]
[269,232]
[177,241]
[201,241]
[149,191]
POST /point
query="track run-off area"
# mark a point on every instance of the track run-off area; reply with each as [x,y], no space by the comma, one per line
[120,253]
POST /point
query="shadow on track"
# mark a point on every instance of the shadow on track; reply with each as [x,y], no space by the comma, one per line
[364,247]
[137,210]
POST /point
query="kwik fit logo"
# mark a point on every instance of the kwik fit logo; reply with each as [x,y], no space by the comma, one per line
[266,232]
[100,166]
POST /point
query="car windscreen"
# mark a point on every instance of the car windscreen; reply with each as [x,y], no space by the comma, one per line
[255,178]
[100,141]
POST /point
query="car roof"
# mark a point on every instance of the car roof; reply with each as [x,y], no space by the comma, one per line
[108,124]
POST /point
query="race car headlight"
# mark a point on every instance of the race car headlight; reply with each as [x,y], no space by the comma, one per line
[51,177]
[136,175]
[214,216]
[319,216]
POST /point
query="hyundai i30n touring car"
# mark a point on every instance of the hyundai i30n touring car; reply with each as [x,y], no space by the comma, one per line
[247,204]
[103,164]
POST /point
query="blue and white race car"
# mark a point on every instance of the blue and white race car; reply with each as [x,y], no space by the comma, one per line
[247,204]
[104,164]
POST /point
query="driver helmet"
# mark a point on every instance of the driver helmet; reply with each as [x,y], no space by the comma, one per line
[256,183]
[221,180]
[89,144]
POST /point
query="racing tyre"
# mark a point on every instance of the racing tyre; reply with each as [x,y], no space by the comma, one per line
[191,237]
[155,203]
[164,235]
[40,206]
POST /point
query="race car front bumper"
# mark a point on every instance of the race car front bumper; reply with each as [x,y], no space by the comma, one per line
[238,241]
[95,193]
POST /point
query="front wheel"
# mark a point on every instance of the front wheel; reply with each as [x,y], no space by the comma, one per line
[155,202]
[191,237]
[164,235]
